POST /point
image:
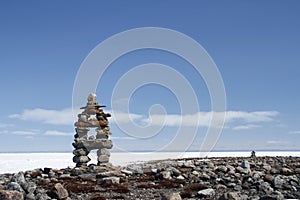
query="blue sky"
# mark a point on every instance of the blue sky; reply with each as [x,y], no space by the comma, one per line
[254,44]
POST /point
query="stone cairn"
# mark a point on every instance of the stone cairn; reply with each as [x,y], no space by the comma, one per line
[92,117]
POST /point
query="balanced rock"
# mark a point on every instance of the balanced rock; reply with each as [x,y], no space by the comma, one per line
[83,142]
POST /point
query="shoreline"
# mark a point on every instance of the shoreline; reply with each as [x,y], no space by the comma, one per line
[15,162]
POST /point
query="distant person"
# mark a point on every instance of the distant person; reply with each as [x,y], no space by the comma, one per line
[253,154]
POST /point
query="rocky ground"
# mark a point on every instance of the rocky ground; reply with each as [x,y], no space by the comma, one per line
[213,178]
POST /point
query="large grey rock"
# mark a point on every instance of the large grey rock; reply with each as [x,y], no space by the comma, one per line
[93,144]
[207,192]
[103,152]
[11,195]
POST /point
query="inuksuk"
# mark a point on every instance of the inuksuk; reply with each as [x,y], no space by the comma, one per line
[92,117]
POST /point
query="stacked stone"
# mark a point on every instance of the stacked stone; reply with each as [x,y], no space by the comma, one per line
[84,144]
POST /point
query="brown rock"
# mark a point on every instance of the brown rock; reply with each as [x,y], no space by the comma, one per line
[286,171]
[267,167]
[11,195]
[269,178]
[59,191]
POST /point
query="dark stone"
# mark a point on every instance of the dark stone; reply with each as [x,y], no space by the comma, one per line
[81,159]
[47,170]
[81,152]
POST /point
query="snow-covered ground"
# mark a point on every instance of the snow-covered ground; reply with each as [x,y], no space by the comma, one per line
[14,162]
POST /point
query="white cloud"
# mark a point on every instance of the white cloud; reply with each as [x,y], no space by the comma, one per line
[6,125]
[23,133]
[251,117]
[294,132]
[4,132]
[29,133]
[246,127]
[57,133]
[55,117]
[202,119]
[122,138]
[273,142]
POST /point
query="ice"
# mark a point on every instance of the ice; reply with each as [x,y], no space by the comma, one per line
[15,162]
